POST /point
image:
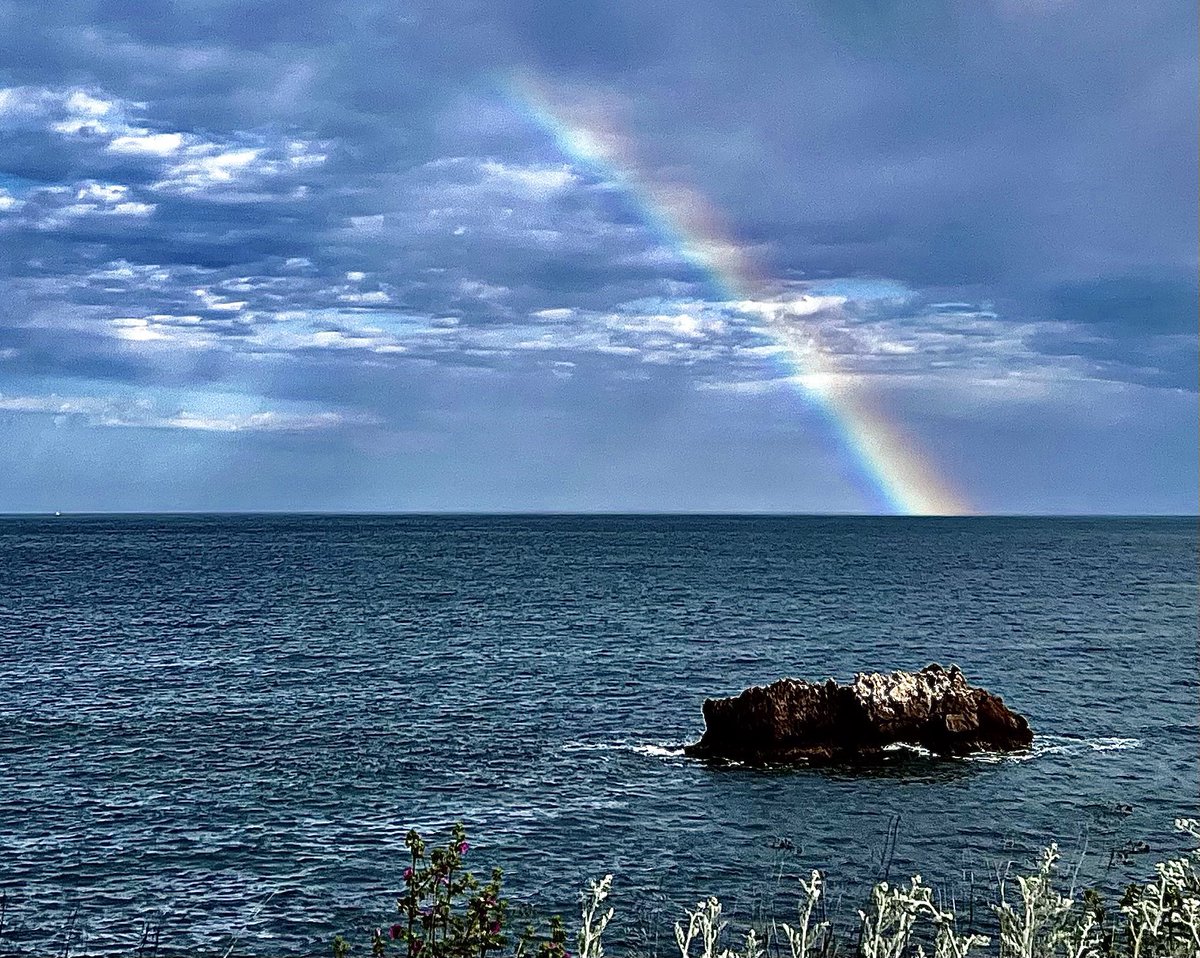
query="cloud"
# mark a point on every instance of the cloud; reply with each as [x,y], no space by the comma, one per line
[207,166]
[536,180]
[142,413]
[153,144]
[273,208]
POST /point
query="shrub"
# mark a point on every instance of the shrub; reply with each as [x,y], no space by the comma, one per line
[446,913]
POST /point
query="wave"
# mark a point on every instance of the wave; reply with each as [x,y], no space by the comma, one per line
[1059,745]
[1114,744]
[1043,745]
[651,749]
[1070,745]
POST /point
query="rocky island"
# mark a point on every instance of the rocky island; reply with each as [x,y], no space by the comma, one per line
[791,720]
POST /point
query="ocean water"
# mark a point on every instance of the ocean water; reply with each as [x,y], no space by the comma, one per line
[223,726]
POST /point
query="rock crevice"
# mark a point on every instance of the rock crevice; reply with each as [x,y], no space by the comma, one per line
[792,720]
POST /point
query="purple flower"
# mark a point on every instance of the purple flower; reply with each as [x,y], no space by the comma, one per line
[396,931]
[495,929]
[408,873]
[463,848]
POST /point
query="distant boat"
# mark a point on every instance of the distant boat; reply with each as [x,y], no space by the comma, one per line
[57,514]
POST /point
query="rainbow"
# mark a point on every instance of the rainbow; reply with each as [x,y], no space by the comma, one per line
[899,473]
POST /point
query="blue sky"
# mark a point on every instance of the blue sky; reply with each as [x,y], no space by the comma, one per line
[302,255]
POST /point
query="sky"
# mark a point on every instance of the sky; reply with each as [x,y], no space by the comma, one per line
[838,256]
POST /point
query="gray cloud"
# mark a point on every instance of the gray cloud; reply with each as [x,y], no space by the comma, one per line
[342,206]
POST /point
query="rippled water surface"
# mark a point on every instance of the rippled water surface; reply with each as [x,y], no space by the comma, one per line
[225,725]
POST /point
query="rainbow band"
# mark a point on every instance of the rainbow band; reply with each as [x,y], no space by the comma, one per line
[890,462]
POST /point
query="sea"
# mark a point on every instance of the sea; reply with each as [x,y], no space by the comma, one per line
[215,731]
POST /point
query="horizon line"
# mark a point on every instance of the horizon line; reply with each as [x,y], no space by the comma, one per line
[597,513]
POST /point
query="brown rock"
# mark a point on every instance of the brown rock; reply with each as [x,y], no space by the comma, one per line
[796,721]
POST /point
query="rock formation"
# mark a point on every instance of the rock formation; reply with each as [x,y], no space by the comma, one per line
[796,721]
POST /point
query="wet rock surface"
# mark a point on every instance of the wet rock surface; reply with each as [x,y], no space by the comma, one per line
[794,721]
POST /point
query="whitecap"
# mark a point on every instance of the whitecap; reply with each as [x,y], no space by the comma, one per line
[659,751]
[1114,744]
[652,749]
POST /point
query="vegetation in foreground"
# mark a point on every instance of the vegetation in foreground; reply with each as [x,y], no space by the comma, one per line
[446,912]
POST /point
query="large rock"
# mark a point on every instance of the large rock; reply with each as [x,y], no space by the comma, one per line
[796,721]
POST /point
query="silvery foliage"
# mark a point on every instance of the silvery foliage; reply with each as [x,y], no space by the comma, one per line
[1162,917]
[1044,923]
[1036,920]
[889,928]
[591,927]
[803,938]
[703,927]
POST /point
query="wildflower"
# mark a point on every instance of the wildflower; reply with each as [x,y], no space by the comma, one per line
[495,929]
[408,873]
[396,931]
[463,848]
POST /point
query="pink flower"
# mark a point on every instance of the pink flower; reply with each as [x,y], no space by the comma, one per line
[396,931]
[408,873]
[463,848]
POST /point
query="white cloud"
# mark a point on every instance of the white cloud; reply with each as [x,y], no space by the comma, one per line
[185,162]
[301,155]
[11,100]
[124,271]
[259,422]
[215,167]
[804,305]
[205,166]
[85,104]
[218,303]
[102,192]
[180,330]
[137,329]
[372,298]
[538,181]
[480,290]
[147,144]
[140,412]
[105,199]
[366,225]
[685,324]
[88,115]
